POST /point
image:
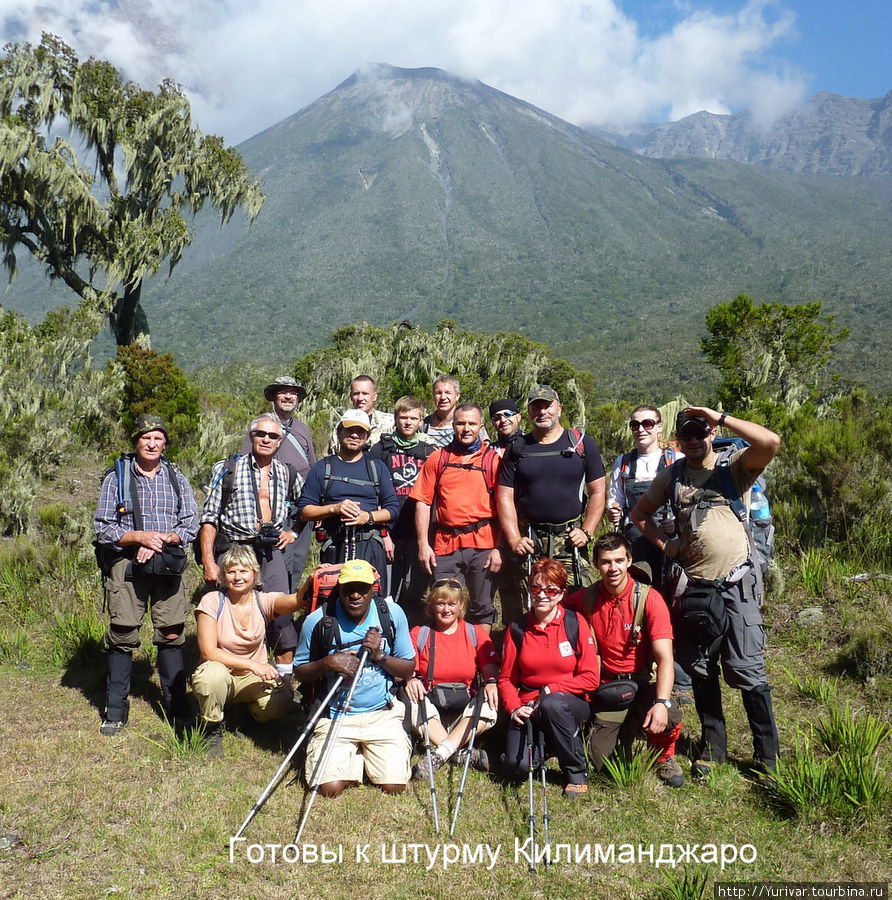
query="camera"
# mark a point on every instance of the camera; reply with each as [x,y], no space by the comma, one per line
[268,536]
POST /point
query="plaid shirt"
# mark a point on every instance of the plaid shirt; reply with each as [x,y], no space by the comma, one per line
[158,502]
[239,520]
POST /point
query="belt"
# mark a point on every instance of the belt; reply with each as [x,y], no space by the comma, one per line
[465,529]
[554,528]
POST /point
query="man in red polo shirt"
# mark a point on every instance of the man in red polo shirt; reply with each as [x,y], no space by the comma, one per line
[629,645]
[457,484]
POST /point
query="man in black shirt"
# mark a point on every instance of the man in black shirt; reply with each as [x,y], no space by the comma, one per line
[540,490]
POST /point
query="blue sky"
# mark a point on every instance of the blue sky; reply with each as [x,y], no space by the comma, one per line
[247,64]
[844,47]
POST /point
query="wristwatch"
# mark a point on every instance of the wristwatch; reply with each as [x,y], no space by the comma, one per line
[666,703]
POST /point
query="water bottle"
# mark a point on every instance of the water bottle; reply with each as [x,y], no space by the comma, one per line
[760,508]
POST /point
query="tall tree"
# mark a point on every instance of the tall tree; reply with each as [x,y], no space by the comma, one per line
[770,356]
[105,207]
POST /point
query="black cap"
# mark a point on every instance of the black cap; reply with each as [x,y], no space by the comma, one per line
[506,405]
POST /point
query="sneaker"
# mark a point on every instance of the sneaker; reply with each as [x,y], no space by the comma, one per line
[575,791]
[669,772]
[479,759]
[110,729]
[422,771]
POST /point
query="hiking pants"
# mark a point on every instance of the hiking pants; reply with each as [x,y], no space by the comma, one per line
[605,732]
[742,661]
[214,684]
[468,566]
[558,718]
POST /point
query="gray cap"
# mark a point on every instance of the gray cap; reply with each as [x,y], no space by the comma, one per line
[286,381]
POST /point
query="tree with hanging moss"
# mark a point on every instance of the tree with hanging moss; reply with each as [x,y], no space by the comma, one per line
[405,359]
[104,206]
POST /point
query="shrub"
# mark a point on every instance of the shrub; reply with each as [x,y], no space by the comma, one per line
[154,384]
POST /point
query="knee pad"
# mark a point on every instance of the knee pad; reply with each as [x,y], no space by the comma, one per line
[122,637]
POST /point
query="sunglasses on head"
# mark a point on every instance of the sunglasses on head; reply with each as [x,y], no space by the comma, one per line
[272,435]
[646,424]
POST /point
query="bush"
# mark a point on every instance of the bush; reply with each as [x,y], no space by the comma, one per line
[154,384]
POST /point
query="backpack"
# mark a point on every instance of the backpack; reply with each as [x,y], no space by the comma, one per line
[223,603]
[106,555]
[487,469]
[571,627]
[639,602]
[326,636]
[328,478]
[321,585]
[226,477]
[724,483]
[518,452]
[629,462]
[426,633]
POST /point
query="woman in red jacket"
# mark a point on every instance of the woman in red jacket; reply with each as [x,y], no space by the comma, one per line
[449,655]
[546,678]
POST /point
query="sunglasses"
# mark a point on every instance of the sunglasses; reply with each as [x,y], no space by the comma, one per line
[272,435]
[646,424]
[448,582]
[546,591]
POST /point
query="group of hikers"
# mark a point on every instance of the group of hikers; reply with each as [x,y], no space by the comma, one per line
[425,524]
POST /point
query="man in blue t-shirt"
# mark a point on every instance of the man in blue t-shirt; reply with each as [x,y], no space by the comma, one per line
[371,738]
[354,497]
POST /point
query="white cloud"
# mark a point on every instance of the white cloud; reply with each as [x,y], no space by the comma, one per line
[249,63]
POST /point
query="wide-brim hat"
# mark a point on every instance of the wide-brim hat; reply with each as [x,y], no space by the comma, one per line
[145,424]
[270,391]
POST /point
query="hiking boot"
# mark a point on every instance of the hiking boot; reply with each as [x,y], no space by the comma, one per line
[110,729]
[213,732]
[575,791]
[669,772]
[702,768]
[422,771]
[479,759]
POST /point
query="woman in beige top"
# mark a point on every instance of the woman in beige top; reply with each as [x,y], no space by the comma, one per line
[235,664]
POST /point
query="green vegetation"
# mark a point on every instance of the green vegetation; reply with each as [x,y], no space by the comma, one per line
[63,200]
[157,812]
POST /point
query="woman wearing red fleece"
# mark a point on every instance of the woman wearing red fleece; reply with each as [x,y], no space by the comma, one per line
[546,679]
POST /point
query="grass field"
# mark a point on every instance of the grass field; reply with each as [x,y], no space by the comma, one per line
[83,816]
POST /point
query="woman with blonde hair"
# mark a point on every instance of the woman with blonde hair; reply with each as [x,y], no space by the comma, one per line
[231,625]
[450,654]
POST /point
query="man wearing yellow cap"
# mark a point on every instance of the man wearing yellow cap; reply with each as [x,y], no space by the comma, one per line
[370,739]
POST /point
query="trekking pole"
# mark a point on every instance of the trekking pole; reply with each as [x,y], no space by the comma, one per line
[544,797]
[577,569]
[475,722]
[329,743]
[530,783]
[267,793]
[432,782]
